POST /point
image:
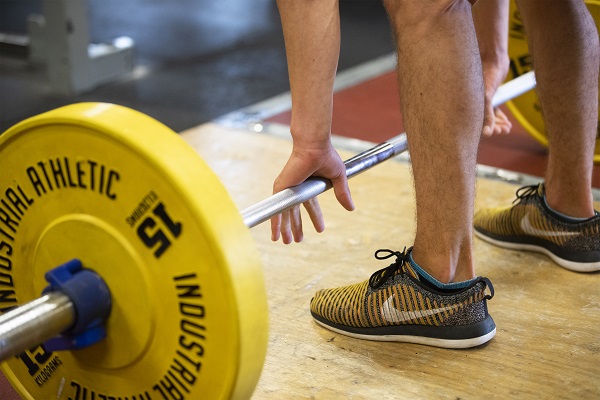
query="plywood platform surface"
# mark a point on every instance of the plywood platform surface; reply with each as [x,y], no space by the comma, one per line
[547,344]
[548,340]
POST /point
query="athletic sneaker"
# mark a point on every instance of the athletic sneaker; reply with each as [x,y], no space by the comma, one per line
[531,224]
[403,303]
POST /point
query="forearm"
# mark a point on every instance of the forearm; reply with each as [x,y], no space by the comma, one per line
[312,38]
[491,24]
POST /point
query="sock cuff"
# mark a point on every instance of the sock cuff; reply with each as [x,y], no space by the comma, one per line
[423,274]
[565,217]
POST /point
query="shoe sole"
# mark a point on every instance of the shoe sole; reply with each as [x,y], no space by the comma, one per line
[570,265]
[429,335]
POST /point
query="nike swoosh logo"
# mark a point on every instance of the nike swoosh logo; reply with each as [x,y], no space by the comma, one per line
[394,316]
[529,229]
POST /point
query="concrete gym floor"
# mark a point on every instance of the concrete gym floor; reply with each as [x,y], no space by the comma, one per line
[547,344]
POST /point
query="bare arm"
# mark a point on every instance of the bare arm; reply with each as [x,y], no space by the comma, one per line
[491,24]
[311,31]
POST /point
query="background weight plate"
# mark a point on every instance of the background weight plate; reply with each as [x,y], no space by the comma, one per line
[526,108]
[134,202]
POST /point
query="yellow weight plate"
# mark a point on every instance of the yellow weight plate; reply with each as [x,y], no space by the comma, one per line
[526,108]
[135,203]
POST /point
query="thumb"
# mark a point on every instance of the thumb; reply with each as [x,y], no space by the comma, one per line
[488,120]
[342,192]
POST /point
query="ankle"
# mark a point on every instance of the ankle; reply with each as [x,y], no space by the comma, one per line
[570,203]
[431,281]
[446,268]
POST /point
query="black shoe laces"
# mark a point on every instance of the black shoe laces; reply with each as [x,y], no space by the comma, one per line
[532,191]
[381,276]
[526,192]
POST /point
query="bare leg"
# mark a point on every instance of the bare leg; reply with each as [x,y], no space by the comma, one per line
[564,44]
[442,91]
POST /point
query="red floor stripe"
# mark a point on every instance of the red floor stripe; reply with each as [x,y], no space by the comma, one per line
[371,111]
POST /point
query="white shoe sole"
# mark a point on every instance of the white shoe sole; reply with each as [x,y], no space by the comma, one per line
[570,265]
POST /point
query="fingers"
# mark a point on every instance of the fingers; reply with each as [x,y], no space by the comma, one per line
[324,162]
[494,73]
[488,126]
[501,122]
[295,226]
[286,229]
[316,216]
[275,227]
[285,225]
[488,119]
[288,225]
[342,192]
[496,123]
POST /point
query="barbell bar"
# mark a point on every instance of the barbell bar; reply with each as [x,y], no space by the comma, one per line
[288,198]
[75,287]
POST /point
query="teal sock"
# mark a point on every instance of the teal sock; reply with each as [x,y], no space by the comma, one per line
[453,285]
[564,216]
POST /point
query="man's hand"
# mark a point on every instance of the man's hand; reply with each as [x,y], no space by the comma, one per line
[494,121]
[491,24]
[304,162]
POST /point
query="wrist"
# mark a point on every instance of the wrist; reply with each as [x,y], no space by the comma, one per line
[310,138]
[497,59]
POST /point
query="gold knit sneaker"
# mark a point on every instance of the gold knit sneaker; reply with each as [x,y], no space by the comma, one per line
[531,225]
[398,303]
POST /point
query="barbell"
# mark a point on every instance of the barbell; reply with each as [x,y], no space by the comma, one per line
[158,293]
[153,287]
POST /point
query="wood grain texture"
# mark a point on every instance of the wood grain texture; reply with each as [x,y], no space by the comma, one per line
[547,345]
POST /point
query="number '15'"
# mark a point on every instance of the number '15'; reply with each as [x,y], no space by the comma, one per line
[152,236]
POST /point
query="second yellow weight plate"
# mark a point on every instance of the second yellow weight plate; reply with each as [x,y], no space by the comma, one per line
[526,108]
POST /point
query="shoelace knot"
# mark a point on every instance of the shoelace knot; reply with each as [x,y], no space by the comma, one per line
[381,276]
